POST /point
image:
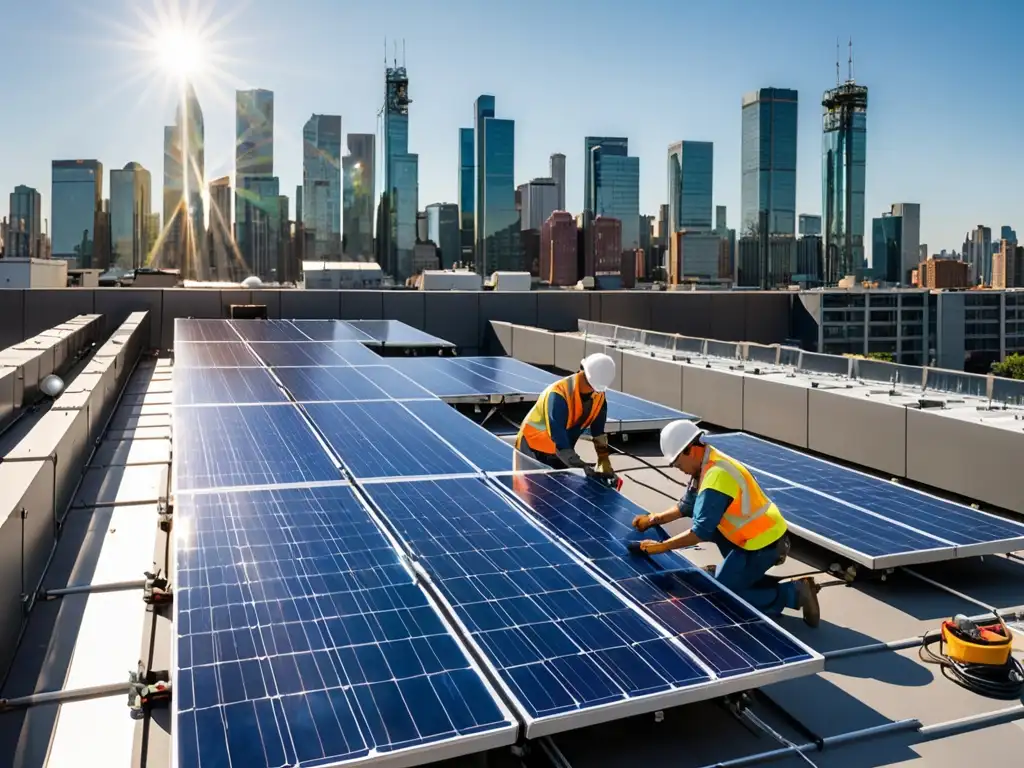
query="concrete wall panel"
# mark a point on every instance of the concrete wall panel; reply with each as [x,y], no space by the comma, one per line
[182,303]
[713,396]
[502,334]
[965,458]
[562,310]
[868,432]
[767,317]
[660,381]
[629,308]
[727,317]
[453,316]
[12,317]
[681,312]
[47,307]
[409,307]
[533,345]
[272,301]
[519,307]
[362,305]
[115,304]
[233,296]
[309,305]
[776,410]
[569,350]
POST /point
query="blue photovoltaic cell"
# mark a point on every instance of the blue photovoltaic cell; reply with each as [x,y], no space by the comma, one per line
[200,354]
[342,383]
[559,639]
[723,631]
[216,386]
[627,408]
[228,446]
[394,383]
[315,353]
[331,330]
[485,451]
[186,329]
[301,639]
[383,439]
[398,334]
[943,520]
[444,378]
[268,330]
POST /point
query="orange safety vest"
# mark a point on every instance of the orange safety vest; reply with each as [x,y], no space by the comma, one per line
[535,427]
[751,521]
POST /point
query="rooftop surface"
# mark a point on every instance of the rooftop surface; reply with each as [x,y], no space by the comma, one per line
[94,639]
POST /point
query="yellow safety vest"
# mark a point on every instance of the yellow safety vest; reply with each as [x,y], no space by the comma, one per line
[535,427]
[751,521]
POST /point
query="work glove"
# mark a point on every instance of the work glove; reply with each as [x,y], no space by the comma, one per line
[642,522]
[571,459]
[647,547]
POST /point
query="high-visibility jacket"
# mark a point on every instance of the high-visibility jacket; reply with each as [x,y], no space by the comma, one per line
[751,521]
[535,427]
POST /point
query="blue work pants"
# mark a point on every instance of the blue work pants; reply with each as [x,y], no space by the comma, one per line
[743,571]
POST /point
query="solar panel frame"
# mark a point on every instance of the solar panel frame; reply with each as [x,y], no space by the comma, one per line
[428,751]
[949,548]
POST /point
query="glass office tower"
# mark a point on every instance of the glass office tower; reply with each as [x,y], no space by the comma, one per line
[254,133]
[360,179]
[467,191]
[401,179]
[690,181]
[617,196]
[844,168]
[321,184]
[768,160]
[256,189]
[76,198]
[497,220]
[595,149]
[130,204]
[24,240]
[443,231]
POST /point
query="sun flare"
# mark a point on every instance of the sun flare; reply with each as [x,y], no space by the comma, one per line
[180,51]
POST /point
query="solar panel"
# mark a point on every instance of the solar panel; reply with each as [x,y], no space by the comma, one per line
[382,439]
[224,354]
[510,372]
[268,330]
[728,635]
[188,329]
[485,451]
[230,446]
[447,379]
[213,386]
[394,383]
[947,524]
[393,333]
[331,330]
[315,353]
[302,640]
[567,649]
[637,413]
[309,384]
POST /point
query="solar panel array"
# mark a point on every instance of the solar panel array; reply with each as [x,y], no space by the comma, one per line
[356,578]
[871,521]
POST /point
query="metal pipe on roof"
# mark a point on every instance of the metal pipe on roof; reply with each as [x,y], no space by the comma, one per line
[114,586]
[875,731]
[939,730]
[62,697]
[553,753]
[951,591]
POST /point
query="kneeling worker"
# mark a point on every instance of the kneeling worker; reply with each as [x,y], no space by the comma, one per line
[566,408]
[729,508]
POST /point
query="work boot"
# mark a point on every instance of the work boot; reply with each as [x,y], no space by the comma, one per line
[807,592]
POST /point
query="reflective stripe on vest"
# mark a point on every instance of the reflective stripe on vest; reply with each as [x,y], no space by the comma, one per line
[751,521]
[535,429]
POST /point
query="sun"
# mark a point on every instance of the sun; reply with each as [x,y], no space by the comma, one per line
[180,51]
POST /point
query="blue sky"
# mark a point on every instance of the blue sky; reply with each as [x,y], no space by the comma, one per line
[944,118]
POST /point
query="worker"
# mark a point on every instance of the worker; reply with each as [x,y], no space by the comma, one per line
[729,508]
[563,411]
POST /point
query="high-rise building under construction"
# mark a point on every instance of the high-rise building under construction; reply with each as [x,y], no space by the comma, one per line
[400,199]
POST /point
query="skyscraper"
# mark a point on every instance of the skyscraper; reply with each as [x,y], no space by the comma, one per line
[690,179]
[321,184]
[443,231]
[223,264]
[768,161]
[497,222]
[401,179]
[171,241]
[76,202]
[131,190]
[360,179]
[467,191]
[611,182]
[538,200]
[24,234]
[844,166]
[256,188]
[191,133]
[557,172]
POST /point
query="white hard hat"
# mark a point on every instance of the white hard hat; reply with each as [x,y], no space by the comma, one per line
[599,369]
[677,437]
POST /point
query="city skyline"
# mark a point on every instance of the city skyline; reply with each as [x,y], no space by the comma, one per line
[901,157]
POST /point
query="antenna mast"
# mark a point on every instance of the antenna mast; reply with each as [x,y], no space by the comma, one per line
[850,62]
